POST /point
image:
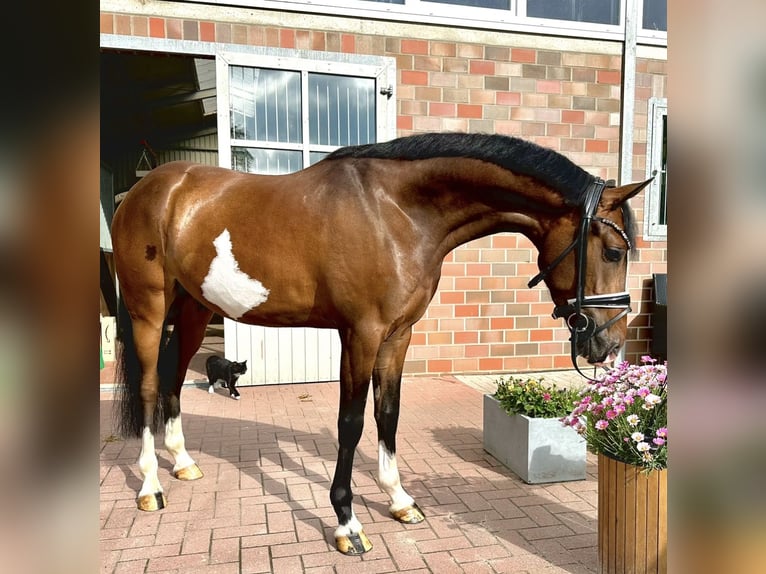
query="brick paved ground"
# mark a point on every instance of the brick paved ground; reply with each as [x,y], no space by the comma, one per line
[263,504]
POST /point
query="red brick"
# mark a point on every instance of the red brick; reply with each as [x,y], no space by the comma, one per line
[413,77]
[482,67]
[106,23]
[573,116]
[491,364]
[439,366]
[207,31]
[466,337]
[549,86]
[443,49]
[508,98]
[523,55]
[608,77]
[286,38]
[414,46]
[348,43]
[451,297]
[404,122]
[466,311]
[541,335]
[439,109]
[597,146]
[469,111]
[157,27]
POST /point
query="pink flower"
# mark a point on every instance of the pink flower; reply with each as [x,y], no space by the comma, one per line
[662,432]
[611,413]
[546,396]
[658,441]
[601,424]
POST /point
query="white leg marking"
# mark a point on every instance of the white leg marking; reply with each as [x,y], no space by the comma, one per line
[147,463]
[388,478]
[176,445]
[353,527]
[210,389]
[225,285]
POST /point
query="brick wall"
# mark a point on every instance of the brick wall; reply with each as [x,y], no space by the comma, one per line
[483,318]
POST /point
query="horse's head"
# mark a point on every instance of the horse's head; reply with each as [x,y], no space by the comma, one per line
[590,292]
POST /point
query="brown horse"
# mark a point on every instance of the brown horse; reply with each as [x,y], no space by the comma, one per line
[353,243]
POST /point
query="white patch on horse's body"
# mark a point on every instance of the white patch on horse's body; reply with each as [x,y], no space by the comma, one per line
[226,286]
[388,478]
[176,445]
[147,463]
[352,527]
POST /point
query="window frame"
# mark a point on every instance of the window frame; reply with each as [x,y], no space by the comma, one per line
[383,72]
[657,120]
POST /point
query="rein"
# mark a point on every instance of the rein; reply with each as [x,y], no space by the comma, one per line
[580,325]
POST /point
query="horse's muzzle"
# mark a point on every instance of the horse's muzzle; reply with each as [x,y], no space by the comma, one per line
[591,339]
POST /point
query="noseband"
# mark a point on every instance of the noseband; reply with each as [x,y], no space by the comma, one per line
[580,325]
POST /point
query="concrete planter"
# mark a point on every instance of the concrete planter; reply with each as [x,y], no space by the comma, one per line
[537,450]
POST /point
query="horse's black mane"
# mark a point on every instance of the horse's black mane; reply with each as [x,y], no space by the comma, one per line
[517,155]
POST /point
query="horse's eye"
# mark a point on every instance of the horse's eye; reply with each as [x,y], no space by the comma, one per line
[613,254]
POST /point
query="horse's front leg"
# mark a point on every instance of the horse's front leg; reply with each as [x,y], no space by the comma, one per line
[387,379]
[356,366]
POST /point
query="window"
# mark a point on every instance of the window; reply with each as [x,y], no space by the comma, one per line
[655,209]
[282,120]
[596,11]
[655,15]
[603,19]
[497,4]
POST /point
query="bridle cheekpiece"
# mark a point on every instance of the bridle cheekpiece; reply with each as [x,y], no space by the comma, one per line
[580,325]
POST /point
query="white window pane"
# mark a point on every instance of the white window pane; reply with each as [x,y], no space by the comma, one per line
[655,15]
[268,161]
[596,11]
[265,104]
[498,4]
[341,110]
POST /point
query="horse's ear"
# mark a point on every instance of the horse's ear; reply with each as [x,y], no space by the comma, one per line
[614,196]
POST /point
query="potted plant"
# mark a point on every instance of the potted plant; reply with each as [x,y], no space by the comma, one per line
[523,430]
[623,418]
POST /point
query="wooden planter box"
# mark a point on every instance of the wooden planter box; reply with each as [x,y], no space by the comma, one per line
[632,519]
[537,450]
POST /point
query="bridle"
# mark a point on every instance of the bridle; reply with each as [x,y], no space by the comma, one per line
[580,325]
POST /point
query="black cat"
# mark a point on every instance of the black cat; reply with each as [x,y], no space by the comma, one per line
[220,369]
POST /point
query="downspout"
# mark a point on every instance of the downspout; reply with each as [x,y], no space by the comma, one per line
[628,104]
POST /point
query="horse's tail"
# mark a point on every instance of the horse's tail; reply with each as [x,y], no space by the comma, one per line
[129,407]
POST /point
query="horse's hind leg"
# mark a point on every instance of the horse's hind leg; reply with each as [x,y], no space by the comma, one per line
[147,334]
[387,379]
[190,324]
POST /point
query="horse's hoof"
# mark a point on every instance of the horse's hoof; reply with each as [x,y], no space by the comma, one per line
[152,502]
[211,390]
[409,515]
[191,472]
[353,544]
[235,397]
